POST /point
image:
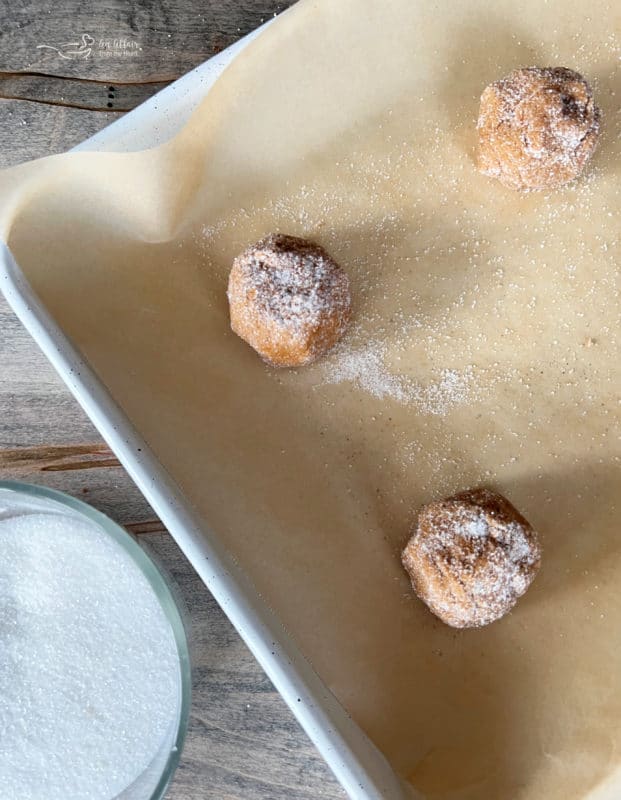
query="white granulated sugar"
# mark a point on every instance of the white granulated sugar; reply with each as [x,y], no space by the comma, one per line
[519,548]
[411,452]
[365,366]
[453,388]
[475,527]
[89,672]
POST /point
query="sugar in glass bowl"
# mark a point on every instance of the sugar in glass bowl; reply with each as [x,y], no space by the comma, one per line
[94,663]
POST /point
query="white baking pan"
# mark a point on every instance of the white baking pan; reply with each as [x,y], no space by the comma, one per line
[356,762]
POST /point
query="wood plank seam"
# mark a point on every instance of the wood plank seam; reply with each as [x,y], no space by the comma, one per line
[146,526]
[70,93]
[100,81]
[63,104]
[49,458]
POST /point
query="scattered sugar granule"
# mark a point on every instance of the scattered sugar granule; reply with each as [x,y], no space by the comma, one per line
[365,366]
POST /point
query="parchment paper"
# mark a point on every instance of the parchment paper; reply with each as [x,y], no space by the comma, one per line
[485,350]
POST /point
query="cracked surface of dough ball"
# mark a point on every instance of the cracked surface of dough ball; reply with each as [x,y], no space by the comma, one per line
[471,557]
[537,127]
[289,300]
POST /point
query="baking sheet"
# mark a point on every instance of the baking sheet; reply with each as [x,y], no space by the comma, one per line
[484,351]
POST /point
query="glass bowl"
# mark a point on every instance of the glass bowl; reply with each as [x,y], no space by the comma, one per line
[155,779]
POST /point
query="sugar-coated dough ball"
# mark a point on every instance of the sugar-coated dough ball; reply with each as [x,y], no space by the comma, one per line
[538,127]
[471,557]
[289,300]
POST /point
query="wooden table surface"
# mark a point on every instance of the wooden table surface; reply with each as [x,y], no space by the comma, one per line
[67,69]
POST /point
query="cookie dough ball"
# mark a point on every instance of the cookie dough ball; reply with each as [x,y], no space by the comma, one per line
[289,300]
[471,557]
[538,127]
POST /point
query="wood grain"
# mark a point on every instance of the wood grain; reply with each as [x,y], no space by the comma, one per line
[131,41]
[54,458]
[73,93]
[243,743]
[33,130]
